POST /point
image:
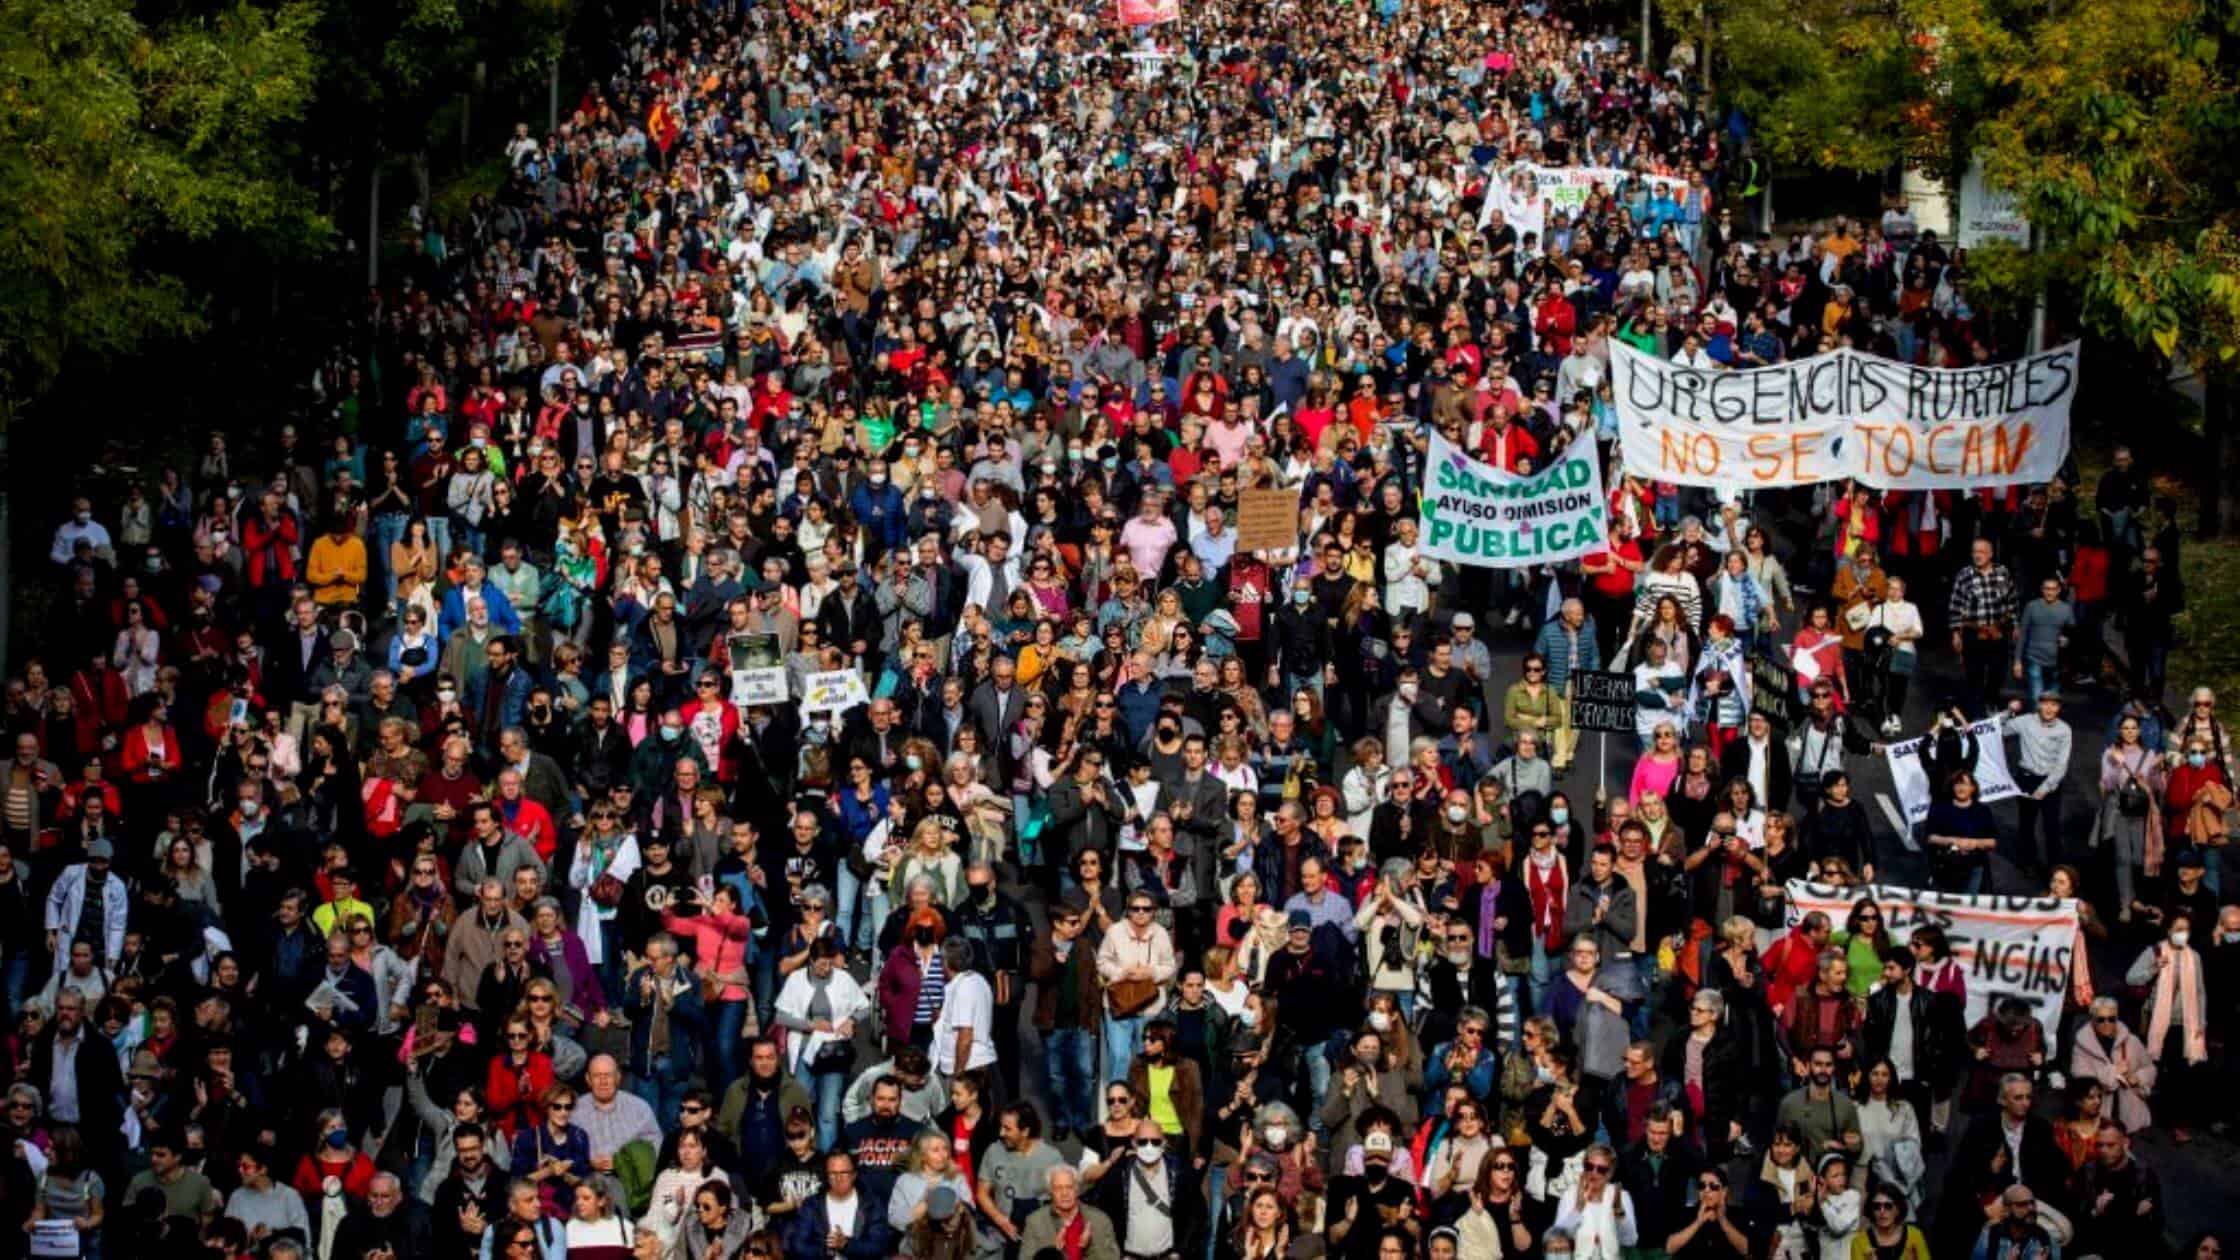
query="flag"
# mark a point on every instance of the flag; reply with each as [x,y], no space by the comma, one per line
[663,126]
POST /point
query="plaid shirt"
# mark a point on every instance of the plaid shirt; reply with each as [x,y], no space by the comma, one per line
[1983,597]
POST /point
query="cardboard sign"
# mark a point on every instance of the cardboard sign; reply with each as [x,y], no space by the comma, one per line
[1845,415]
[1267,520]
[754,650]
[1602,701]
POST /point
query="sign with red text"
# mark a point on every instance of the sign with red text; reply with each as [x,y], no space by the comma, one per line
[1845,414]
[1149,12]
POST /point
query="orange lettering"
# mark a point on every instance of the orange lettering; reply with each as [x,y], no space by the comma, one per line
[1764,447]
[1934,466]
[2009,461]
[1890,462]
[1692,454]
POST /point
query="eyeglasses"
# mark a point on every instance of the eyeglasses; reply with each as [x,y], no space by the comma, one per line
[1535,669]
[517,1036]
[1139,909]
[1118,1100]
[1505,1165]
[1597,1166]
[1458,939]
[559,1108]
[545,998]
[361,931]
[1710,1183]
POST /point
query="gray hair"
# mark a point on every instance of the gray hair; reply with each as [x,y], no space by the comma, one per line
[956,956]
[1713,1001]
[2104,1005]
[548,901]
[924,884]
[1062,1170]
[25,1089]
[1396,869]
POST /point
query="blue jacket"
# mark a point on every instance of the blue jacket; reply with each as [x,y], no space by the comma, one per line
[1554,646]
[873,1239]
[511,706]
[454,613]
[880,511]
[686,1018]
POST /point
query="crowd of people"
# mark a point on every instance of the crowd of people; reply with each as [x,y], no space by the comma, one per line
[741,726]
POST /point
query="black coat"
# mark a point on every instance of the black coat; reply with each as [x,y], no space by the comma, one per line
[1734,763]
[1725,1085]
[1939,1032]
[99,1083]
[403,1232]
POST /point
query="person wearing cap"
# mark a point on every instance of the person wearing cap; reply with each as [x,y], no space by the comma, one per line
[88,903]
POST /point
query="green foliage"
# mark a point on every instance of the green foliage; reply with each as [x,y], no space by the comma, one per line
[2122,140]
[123,143]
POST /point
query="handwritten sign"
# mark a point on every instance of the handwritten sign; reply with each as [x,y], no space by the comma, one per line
[1267,520]
[1845,415]
[832,690]
[1601,701]
[764,684]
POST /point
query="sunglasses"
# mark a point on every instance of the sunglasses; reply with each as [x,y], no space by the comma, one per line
[1596,1166]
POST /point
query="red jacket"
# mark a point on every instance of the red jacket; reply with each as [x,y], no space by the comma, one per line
[137,759]
[271,549]
[515,1095]
[1790,964]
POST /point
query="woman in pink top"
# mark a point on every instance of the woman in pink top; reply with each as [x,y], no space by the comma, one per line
[1654,773]
[717,940]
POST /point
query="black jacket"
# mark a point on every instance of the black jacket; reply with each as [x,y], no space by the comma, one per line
[403,1232]
[1734,763]
[1939,1032]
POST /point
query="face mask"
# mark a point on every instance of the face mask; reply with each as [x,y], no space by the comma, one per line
[671,734]
[1250,1018]
[922,935]
[1375,1174]
[984,893]
[1559,815]
[2197,760]
[2229,938]
[2180,937]
[1456,813]
[1277,1135]
[1300,597]
[84,517]
[155,564]
[1150,1152]
[338,1139]
[249,809]
[446,694]
[1380,1020]
[1459,957]
[878,479]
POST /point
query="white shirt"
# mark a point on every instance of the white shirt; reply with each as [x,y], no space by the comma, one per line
[968,1002]
[1757,772]
[841,1214]
[63,1103]
[1901,1039]
[1150,1233]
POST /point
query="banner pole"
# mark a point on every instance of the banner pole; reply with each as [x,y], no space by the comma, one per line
[1601,765]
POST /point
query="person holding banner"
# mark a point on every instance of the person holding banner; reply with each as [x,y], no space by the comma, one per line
[1960,834]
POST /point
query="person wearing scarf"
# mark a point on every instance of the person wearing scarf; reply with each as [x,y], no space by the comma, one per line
[2173,968]
[1548,883]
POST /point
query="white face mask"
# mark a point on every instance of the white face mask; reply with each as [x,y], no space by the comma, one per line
[1380,1020]
[2180,937]
[1278,1135]
[1456,813]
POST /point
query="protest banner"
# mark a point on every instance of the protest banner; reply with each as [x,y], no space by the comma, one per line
[2020,947]
[1601,701]
[832,691]
[1267,519]
[1845,415]
[762,685]
[1474,513]
[1149,12]
[1994,782]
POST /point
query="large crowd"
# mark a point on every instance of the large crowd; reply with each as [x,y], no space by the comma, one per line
[740,724]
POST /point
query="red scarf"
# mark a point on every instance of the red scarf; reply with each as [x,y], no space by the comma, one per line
[1547,900]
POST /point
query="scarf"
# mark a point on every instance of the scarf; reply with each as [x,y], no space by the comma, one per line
[1545,880]
[1487,897]
[2184,977]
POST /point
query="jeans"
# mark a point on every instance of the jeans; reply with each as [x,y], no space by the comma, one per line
[1317,1056]
[662,1085]
[439,533]
[1123,1041]
[388,529]
[1216,1177]
[16,981]
[876,907]
[2036,814]
[610,963]
[766,984]
[1296,683]
[727,1030]
[1543,971]
[2039,679]
[851,890]
[828,1088]
[1645,971]
[1069,1066]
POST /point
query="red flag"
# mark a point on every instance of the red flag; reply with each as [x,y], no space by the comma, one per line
[662,125]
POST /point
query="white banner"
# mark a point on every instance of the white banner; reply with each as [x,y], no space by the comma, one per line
[832,690]
[764,684]
[1994,782]
[2021,947]
[1845,414]
[1989,214]
[1474,513]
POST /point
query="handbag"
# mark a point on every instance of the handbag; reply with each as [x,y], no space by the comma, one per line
[606,891]
[833,1056]
[1128,997]
[1857,616]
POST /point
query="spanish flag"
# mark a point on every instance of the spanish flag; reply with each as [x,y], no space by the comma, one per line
[663,126]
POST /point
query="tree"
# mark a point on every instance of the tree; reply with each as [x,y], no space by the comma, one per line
[2122,142]
[1824,83]
[126,148]
[122,145]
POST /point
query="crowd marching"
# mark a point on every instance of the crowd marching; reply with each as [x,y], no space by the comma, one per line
[744,723]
